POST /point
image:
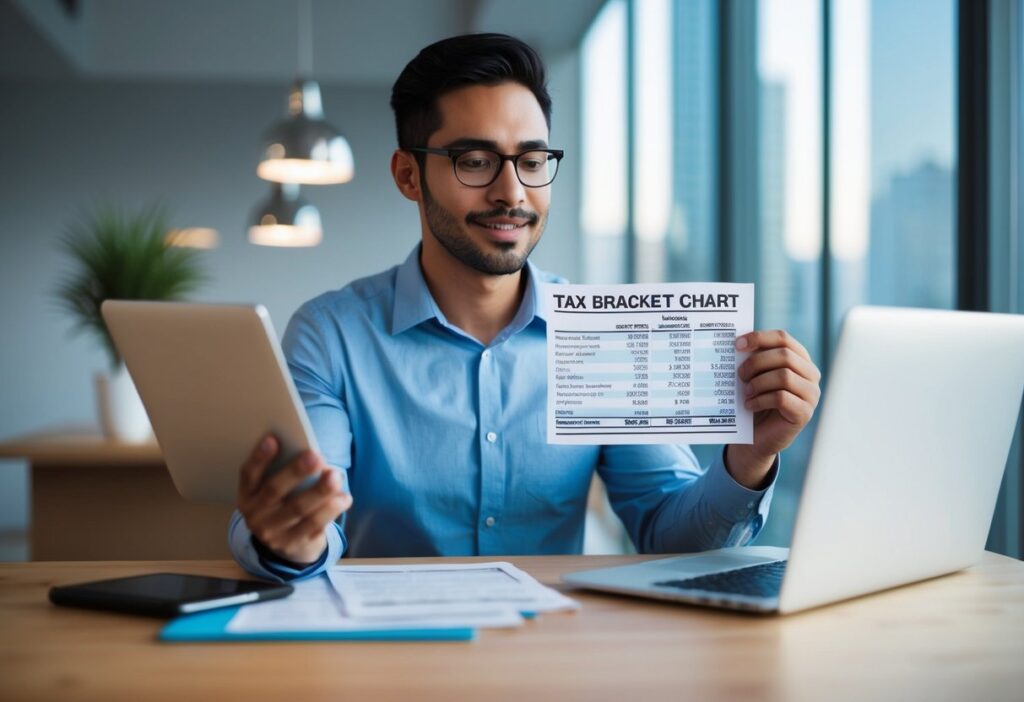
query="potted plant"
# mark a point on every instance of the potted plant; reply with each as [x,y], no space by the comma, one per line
[122,256]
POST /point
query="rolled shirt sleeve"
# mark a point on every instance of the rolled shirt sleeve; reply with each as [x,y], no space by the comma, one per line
[669,504]
[240,541]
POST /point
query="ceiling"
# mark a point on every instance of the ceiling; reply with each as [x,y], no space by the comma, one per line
[360,42]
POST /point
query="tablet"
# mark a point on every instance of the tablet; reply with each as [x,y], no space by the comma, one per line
[166,594]
[214,381]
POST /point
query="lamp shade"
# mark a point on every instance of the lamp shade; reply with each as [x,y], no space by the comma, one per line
[303,148]
[285,219]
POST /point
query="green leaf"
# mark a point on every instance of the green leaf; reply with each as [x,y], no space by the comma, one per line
[122,256]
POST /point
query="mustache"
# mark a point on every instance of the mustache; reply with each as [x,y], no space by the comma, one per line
[518,212]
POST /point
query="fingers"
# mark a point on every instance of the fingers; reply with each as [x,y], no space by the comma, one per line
[771,359]
[252,470]
[779,375]
[279,515]
[274,498]
[274,523]
[792,408]
[313,525]
[784,379]
[289,523]
[771,339]
[280,484]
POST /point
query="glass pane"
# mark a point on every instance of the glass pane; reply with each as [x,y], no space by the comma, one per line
[603,205]
[1018,171]
[1006,291]
[674,142]
[652,136]
[1018,237]
[893,221]
[789,244]
[1012,540]
[673,170]
[692,225]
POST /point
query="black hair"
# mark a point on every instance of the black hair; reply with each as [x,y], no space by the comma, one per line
[457,62]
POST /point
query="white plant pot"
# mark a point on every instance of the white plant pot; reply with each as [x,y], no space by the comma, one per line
[122,416]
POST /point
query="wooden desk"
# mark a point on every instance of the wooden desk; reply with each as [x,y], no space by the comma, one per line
[957,637]
[96,499]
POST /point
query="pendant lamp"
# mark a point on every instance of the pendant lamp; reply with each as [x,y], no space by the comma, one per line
[285,219]
[304,148]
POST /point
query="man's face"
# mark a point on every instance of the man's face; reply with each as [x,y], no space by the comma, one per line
[490,229]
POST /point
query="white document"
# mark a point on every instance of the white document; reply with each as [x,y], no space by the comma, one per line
[647,364]
[442,590]
[316,606]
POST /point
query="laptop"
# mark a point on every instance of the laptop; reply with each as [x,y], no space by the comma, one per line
[912,438]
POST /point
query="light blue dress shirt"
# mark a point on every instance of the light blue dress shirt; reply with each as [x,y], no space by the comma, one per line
[442,440]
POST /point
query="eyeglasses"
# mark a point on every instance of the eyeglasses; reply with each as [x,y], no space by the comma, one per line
[478,168]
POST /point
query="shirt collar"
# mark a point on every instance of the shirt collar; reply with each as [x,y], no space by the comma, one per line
[414,304]
[532,305]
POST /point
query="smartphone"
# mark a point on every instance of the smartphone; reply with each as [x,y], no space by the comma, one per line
[166,594]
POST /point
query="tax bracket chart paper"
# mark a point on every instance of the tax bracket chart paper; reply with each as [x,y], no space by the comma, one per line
[647,364]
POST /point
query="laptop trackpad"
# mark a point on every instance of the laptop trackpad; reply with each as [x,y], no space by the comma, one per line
[696,565]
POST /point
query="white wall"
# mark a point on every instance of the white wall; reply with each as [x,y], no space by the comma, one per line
[193,146]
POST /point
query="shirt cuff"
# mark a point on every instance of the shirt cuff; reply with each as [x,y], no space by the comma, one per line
[241,543]
[733,501]
[272,561]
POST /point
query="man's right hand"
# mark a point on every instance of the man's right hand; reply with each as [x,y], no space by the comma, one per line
[291,526]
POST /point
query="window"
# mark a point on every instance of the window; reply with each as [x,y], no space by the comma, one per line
[893,219]
[809,146]
[789,237]
[604,203]
[1006,242]
[691,241]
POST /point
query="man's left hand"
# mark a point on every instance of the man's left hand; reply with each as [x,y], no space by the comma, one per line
[782,389]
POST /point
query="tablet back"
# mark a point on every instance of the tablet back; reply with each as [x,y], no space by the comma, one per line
[213,380]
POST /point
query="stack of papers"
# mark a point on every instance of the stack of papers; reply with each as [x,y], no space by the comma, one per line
[431,590]
[409,598]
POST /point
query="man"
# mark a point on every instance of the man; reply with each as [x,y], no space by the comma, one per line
[425,384]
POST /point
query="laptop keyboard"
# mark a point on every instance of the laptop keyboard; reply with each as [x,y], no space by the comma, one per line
[761,580]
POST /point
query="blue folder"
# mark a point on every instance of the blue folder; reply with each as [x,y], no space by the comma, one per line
[212,626]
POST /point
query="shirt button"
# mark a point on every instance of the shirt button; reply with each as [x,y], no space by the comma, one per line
[486,354]
[492,437]
[489,521]
[750,505]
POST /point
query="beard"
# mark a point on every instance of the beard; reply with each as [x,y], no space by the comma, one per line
[452,235]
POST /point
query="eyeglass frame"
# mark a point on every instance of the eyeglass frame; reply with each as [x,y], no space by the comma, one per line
[454,155]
